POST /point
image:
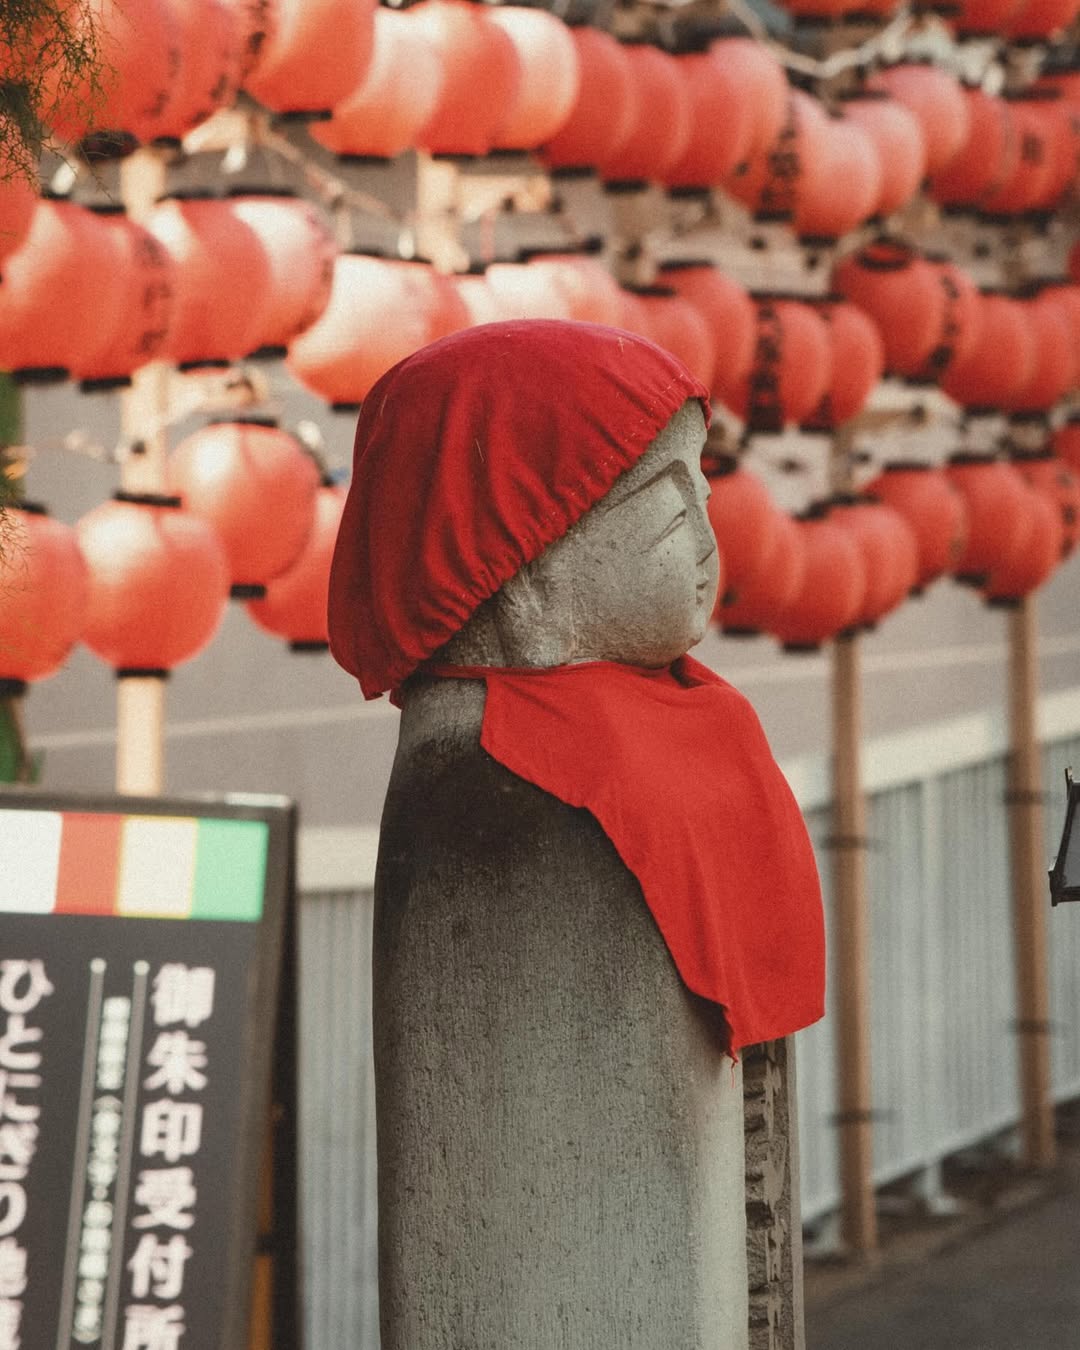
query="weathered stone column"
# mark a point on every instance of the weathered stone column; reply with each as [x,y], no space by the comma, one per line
[560,1135]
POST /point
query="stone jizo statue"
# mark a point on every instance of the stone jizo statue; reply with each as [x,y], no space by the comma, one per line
[593,885]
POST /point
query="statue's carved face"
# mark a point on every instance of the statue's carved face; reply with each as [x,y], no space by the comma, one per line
[643,563]
[633,581]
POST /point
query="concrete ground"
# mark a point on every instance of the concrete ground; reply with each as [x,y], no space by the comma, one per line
[1002,1275]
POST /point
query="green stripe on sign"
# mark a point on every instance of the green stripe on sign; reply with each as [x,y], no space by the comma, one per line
[230,870]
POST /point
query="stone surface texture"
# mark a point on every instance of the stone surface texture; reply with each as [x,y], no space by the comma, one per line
[773,1227]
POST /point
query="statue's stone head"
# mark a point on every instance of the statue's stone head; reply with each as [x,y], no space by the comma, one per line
[525,494]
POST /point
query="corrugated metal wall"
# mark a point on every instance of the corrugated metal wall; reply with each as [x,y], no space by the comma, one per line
[942,1006]
[942,987]
[337,1124]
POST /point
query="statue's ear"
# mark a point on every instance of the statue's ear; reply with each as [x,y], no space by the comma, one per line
[533,617]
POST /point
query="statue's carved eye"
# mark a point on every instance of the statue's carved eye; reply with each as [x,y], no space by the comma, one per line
[676,521]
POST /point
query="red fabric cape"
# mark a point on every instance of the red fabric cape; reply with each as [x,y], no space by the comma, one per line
[472,456]
[675,767]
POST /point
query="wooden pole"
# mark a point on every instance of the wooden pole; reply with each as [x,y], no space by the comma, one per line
[1028,859]
[851,938]
[140,699]
[140,735]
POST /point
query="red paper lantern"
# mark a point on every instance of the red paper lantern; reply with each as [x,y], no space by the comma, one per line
[934,511]
[1061,120]
[986,160]
[790,369]
[300,250]
[898,136]
[1036,558]
[833,583]
[43,589]
[1001,360]
[159,583]
[218,257]
[662,123]
[258,24]
[858,363]
[772,587]
[890,555]
[744,521]
[138,56]
[1064,298]
[526,292]
[729,313]
[775,183]
[936,98]
[58,293]
[958,325]
[254,484]
[142,273]
[976,18]
[315,56]
[481,72]
[722,124]
[605,109]
[1054,369]
[17,202]
[549,76]
[1066,441]
[384,114]
[902,294]
[997,501]
[211,41]
[851,158]
[448,313]
[634,314]
[294,606]
[591,292]
[1040,19]
[1043,471]
[480,303]
[761,85]
[818,9]
[1029,178]
[380,311]
[679,328]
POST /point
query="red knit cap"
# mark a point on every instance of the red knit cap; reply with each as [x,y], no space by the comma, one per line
[472,456]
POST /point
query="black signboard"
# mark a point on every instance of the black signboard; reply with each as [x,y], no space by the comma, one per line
[142,944]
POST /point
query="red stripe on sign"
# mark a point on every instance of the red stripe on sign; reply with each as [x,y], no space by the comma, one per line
[89,862]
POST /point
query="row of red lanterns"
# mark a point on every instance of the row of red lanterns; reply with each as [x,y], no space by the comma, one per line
[773,360]
[143,580]
[722,116]
[165,289]
[846,563]
[1011,20]
[987,350]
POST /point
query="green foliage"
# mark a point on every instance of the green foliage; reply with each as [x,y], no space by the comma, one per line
[48,53]
[10,435]
[17,765]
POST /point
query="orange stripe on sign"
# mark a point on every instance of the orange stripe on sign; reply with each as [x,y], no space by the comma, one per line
[89,862]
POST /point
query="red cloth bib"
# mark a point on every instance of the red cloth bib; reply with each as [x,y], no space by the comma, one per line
[675,767]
